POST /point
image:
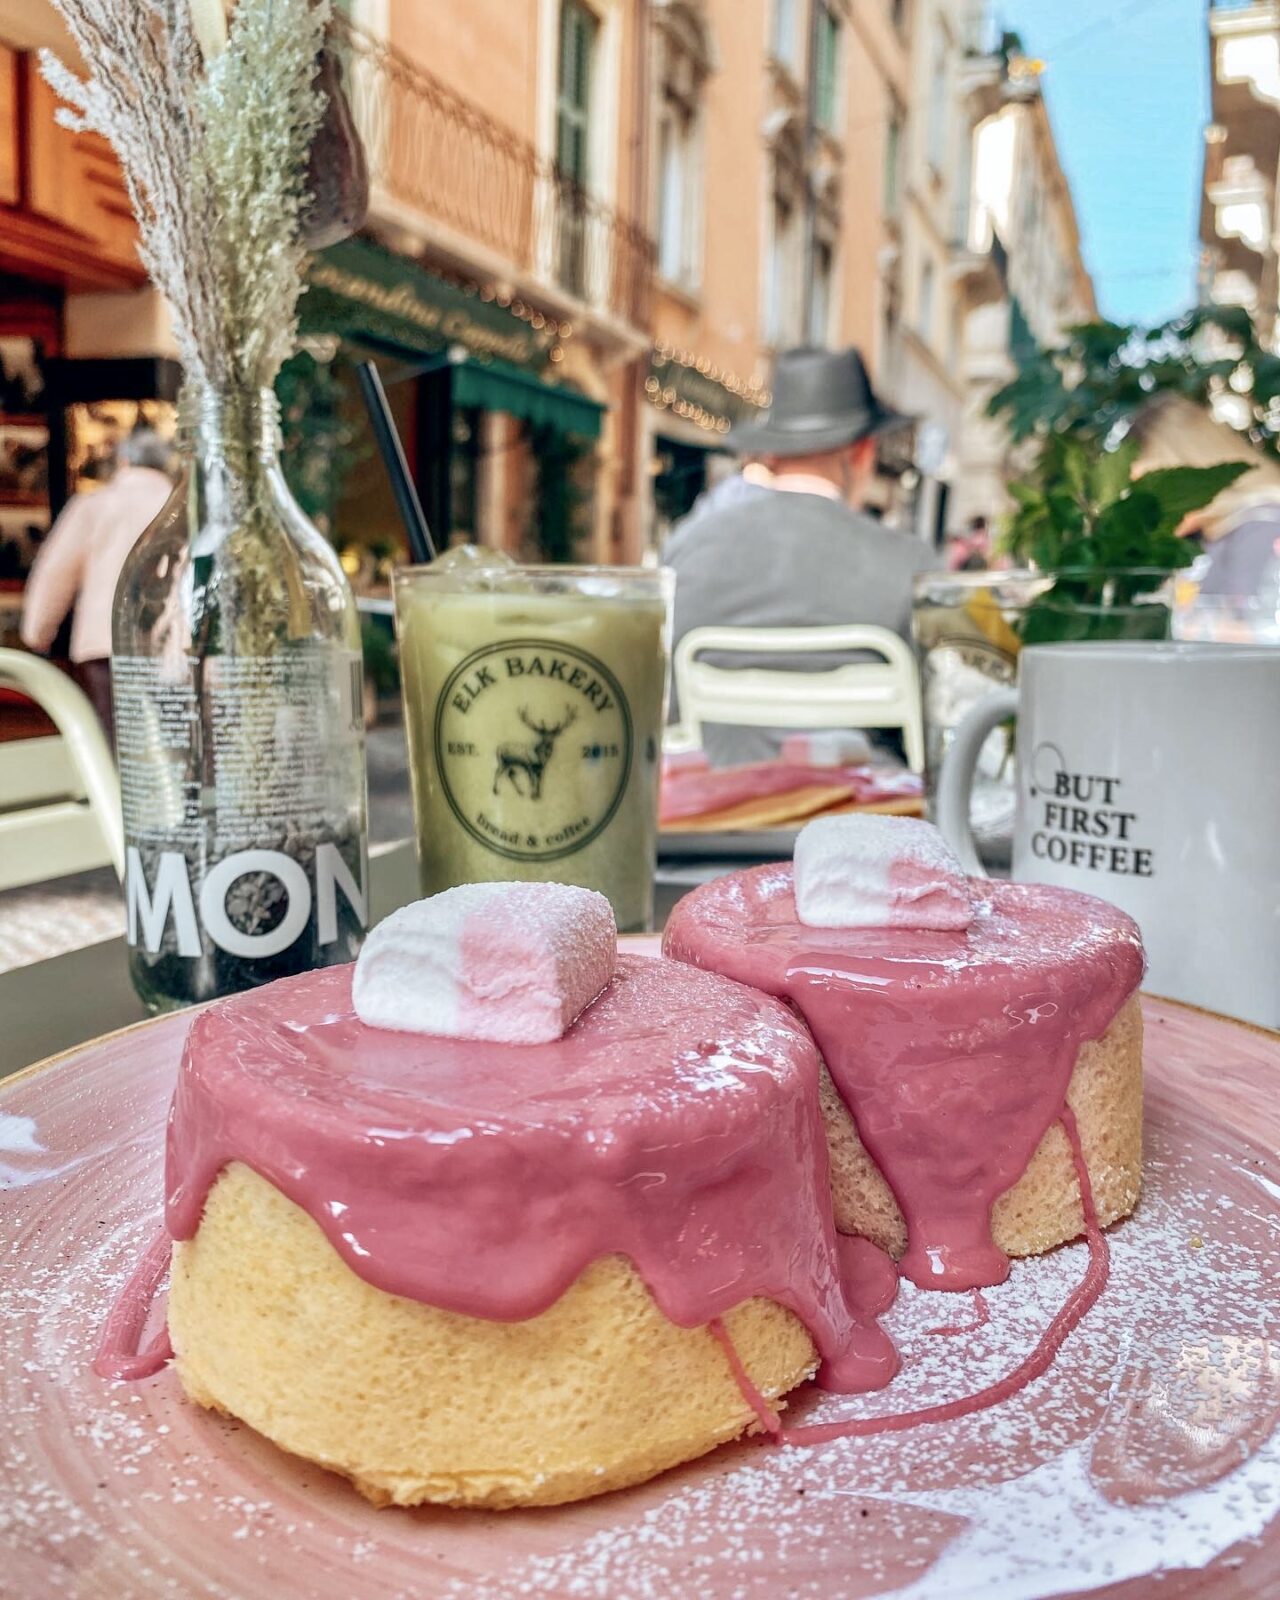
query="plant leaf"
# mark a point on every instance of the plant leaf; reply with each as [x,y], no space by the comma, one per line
[1099,341]
[1180,490]
[1112,471]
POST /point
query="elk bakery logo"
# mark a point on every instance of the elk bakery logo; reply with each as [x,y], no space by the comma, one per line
[533,747]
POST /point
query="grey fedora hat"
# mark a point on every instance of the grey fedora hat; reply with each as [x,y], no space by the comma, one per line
[822,399]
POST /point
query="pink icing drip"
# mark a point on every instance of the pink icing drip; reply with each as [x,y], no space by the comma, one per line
[118,1355]
[676,1124]
[765,1414]
[953,1050]
[1078,1304]
[981,1316]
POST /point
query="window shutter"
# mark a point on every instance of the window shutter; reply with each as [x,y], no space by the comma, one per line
[573,100]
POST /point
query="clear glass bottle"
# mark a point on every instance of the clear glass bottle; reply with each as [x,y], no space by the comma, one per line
[237,677]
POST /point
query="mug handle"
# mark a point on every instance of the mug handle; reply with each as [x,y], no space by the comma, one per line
[955,781]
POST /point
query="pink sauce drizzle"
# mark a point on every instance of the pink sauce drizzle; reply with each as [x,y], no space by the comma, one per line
[981,1316]
[767,1416]
[1078,1304]
[952,1050]
[118,1355]
[676,1124]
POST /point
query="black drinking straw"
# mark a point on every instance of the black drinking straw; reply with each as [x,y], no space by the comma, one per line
[421,546]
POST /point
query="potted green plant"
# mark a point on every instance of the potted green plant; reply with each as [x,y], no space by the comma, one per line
[1106,541]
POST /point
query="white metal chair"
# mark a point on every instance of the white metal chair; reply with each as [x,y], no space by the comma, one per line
[59,797]
[861,694]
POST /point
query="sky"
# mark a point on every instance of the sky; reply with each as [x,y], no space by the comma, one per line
[1126,83]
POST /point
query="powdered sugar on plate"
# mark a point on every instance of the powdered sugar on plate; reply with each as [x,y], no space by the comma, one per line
[1151,1446]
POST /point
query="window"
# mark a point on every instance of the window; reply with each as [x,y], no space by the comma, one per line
[819,328]
[893,162]
[682,70]
[826,66]
[672,178]
[578,28]
[783,273]
[785,30]
[786,304]
[938,101]
[924,311]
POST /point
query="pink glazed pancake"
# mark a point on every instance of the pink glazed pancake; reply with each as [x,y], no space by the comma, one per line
[952,1056]
[496,1274]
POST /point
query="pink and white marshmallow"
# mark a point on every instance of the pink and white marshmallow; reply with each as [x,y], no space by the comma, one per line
[509,963]
[879,872]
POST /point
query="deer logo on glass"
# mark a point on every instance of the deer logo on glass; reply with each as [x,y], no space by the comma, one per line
[530,758]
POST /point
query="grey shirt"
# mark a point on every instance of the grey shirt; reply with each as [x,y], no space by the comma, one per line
[786,560]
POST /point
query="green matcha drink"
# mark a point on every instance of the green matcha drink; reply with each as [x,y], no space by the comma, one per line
[534,704]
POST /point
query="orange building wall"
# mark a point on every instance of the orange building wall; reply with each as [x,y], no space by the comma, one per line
[486,50]
[875,66]
[723,321]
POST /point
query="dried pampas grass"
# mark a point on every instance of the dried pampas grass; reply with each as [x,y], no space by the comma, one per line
[213,126]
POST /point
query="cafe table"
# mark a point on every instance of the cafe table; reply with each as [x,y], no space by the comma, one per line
[54,1005]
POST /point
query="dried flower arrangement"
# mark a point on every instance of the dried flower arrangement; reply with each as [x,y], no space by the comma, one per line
[213,124]
[225,116]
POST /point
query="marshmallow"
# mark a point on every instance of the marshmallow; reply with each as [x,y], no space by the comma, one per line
[878,872]
[513,963]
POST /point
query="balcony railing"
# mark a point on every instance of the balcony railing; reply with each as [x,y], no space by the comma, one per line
[436,153]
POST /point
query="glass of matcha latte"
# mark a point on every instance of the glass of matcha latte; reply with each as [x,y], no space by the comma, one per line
[534,704]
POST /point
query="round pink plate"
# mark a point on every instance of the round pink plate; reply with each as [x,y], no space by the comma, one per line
[1146,1464]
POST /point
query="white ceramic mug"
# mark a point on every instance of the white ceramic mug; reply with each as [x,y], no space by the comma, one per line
[1149,775]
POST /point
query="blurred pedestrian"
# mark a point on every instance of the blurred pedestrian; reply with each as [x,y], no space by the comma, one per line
[797,550]
[79,563]
[970,551]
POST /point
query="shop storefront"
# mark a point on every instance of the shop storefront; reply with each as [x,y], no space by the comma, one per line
[501,447]
[68,261]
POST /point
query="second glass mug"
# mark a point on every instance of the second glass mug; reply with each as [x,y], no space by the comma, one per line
[534,701]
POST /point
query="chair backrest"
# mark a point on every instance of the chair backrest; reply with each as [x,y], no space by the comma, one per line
[59,797]
[880,693]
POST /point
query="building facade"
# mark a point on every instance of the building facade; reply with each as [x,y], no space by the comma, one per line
[1026,279]
[771,203]
[503,264]
[1238,218]
[592,225]
[951,79]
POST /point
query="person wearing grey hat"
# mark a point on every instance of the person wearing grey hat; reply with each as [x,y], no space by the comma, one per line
[799,551]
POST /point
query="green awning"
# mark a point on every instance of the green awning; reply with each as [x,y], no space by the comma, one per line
[497,386]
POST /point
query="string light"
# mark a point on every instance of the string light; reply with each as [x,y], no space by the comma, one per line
[752,390]
[494,294]
[666,399]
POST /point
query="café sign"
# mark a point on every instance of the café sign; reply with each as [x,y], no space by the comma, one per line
[357,289]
